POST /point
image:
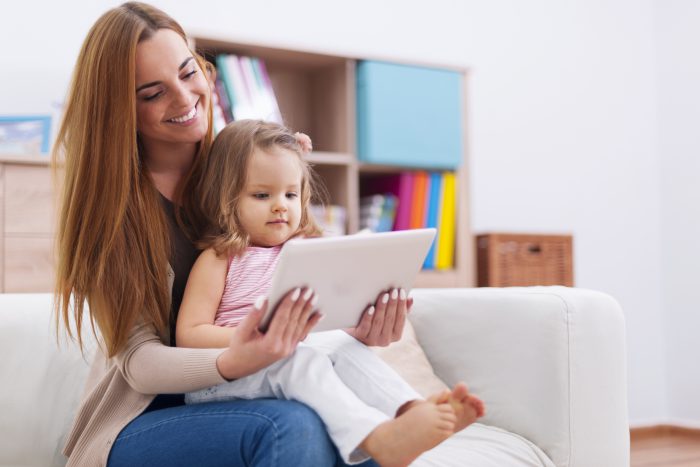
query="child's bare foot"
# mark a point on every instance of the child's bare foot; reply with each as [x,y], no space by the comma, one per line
[420,427]
[467,406]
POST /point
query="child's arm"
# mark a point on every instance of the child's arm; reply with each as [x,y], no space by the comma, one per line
[205,286]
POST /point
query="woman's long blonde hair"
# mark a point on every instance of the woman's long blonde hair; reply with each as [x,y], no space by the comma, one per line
[224,179]
[112,238]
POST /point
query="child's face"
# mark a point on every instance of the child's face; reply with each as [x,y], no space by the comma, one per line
[270,205]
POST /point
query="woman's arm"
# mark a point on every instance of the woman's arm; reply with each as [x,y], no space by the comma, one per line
[205,286]
[151,367]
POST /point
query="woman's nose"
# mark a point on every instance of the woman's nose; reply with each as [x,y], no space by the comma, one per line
[182,96]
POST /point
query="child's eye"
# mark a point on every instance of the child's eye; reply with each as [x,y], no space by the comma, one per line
[260,195]
[292,195]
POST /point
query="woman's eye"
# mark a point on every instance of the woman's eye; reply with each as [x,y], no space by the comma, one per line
[189,75]
[152,96]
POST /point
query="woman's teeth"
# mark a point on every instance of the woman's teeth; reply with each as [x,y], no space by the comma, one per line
[190,115]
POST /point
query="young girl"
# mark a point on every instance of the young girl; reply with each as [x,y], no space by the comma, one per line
[257,195]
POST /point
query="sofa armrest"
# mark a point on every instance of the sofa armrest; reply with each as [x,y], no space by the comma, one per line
[549,363]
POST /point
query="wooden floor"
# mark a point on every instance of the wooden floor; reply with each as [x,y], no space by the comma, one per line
[665,447]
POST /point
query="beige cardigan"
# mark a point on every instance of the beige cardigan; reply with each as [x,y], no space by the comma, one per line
[120,388]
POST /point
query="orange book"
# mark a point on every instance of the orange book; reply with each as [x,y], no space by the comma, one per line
[420,189]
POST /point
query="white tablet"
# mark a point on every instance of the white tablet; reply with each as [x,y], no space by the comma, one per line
[347,273]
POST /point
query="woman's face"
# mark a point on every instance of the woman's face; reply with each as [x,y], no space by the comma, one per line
[172,92]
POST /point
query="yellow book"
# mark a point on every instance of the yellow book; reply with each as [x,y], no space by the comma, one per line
[446,222]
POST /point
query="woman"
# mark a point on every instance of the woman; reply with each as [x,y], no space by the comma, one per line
[136,129]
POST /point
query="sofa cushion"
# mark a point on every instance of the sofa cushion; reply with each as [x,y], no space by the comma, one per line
[39,398]
[484,446]
[407,358]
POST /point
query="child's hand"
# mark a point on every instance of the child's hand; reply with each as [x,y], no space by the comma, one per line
[250,350]
[383,323]
[304,141]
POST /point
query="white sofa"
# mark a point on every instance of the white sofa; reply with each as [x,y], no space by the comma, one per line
[549,363]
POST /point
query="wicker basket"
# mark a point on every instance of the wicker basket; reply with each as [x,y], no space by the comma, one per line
[505,260]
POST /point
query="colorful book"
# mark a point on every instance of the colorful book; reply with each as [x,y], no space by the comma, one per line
[418,198]
[225,77]
[432,214]
[371,211]
[377,212]
[270,98]
[446,222]
[399,185]
[222,95]
[257,106]
[242,106]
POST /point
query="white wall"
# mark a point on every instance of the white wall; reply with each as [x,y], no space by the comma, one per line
[679,154]
[563,119]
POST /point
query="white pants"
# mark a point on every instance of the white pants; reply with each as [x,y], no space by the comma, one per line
[348,386]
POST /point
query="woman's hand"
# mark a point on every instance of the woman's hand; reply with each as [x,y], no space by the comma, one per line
[250,350]
[382,323]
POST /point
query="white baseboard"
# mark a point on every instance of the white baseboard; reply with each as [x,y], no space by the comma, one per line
[648,423]
[682,423]
[679,422]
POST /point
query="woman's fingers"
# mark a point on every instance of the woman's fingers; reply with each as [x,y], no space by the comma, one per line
[298,317]
[387,332]
[401,312]
[249,325]
[363,328]
[313,320]
[378,318]
[280,320]
[303,323]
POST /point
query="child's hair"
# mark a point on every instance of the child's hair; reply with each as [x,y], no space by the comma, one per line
[224,179]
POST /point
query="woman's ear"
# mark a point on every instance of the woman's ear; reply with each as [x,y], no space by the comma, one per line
[210,72]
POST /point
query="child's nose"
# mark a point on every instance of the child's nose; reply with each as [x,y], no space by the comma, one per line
[279,205]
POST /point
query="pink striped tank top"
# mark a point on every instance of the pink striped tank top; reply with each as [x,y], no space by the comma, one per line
[249,276]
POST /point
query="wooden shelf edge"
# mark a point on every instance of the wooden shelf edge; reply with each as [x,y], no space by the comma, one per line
[32,160]
[330,158]
[370,168]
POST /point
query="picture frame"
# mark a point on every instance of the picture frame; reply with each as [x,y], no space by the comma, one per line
[25,135]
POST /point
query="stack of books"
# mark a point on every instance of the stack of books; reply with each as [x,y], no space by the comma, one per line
[243,90]
[422,199]
[330,218]
[378,212]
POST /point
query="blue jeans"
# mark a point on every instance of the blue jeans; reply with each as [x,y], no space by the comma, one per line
[261,432]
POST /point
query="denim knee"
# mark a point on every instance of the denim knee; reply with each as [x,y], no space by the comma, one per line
[302,437]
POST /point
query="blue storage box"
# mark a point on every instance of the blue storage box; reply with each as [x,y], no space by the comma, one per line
[409,116]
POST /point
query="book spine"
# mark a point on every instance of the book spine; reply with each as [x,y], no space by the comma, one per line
[273,110]
[433,211]
[418,200]
[403,210]
[224,102]
[257,105]
[242,106]
[446,222]
[222,68]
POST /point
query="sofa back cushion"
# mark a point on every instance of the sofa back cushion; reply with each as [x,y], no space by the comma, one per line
[42,380]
